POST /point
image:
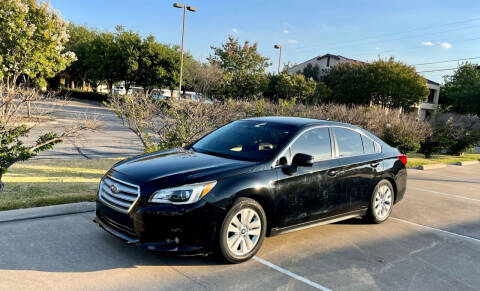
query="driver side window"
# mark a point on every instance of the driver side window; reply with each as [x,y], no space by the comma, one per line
[314,142]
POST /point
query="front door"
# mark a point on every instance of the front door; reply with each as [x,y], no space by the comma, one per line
[306,193]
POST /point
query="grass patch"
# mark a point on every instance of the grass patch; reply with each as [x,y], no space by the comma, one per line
[414,160]
[49,182]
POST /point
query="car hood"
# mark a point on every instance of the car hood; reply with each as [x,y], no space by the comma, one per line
[179,166]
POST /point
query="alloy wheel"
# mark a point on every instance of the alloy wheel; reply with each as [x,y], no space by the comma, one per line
[243,232]
[383,202]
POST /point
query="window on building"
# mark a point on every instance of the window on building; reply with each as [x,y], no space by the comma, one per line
[431,96]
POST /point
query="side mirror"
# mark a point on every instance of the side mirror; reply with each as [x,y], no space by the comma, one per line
[302,160]
[282,161]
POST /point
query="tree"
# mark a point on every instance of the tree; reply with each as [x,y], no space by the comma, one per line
[462,89]
[33,38]
[244,68]
[158,65]
[102,60]
[203,78]
[383,82]
[322,94]
[80,42]
[312,72]
[290,86]
[350,84]
[394,84]
[129,45]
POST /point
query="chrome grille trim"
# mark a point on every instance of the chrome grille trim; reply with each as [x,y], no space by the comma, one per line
[124,200]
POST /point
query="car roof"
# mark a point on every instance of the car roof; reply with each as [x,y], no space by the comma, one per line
[298,122]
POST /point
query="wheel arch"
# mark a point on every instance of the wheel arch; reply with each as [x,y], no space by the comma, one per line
[265,202]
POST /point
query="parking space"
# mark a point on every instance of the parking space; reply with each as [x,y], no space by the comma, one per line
[432,242]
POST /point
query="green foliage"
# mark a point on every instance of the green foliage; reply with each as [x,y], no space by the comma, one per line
[350,84]
[462,89]
[311,72]
[403,137]
[454,135]
[437,142]
[128,45]
[80,42]
[12,148]
[322,94]
[383,82]
[291,86]
[158,65]
[32,39]
[295,86]
[244,69]
[122,56]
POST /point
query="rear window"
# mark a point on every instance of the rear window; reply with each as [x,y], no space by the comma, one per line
[368,145]
[349,142]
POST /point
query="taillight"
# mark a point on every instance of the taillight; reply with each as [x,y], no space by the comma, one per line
[403,159]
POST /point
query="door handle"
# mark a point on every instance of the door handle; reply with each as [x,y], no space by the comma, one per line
[332,172]
[374,164]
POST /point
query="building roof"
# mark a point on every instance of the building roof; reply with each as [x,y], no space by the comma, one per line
[338,57]
[352,61]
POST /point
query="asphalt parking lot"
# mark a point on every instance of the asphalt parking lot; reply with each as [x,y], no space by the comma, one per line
[431,242]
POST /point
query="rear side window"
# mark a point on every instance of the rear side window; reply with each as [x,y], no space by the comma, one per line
[368,145]
[349,142]
[314,142]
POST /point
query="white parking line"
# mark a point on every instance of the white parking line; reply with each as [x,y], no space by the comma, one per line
[288,273]
[440,230]
[442,193]
[451,177]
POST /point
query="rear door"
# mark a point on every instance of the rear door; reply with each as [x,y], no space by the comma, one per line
[306,193]
[359,165]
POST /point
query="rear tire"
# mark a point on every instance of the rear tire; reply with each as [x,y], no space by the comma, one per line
[243,231]
[381,203]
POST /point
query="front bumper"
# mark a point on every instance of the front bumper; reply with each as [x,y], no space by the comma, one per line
[164,228]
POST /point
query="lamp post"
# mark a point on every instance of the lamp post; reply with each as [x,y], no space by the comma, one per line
[185,8]
[277,46]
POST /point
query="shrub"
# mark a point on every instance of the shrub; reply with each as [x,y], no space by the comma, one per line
[453,134]
[176,123]
[84,95]
[403,137]
[16,142]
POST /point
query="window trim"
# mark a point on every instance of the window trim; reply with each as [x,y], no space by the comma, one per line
[378,148]
[333,144]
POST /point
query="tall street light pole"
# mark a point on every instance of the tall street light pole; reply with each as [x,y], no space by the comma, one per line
[185,8]
[277,46]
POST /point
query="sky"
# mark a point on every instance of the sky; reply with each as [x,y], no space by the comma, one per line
[414,32]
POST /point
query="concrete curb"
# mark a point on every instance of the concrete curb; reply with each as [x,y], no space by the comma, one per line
[46,211]
[467,163]
[431,166]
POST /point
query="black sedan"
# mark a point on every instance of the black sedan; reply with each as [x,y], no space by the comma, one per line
[249,179]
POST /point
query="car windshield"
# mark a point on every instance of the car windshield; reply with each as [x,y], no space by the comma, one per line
[246,140]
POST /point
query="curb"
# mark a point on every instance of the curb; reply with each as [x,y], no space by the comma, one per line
[46,211]
[467,163]
[431,166]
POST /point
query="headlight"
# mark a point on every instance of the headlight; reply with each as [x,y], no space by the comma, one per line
[184,194]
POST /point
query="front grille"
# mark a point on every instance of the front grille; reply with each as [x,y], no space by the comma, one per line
[118,194]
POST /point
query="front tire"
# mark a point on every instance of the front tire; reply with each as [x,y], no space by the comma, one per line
[381,203]
[243,231]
